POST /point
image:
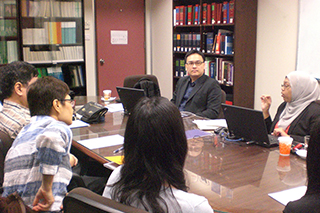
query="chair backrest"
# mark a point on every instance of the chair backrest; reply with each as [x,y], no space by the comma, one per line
[223,100]
[83,200]
[5,144]
[147,82]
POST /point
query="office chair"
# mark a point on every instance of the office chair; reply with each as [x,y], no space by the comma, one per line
[5,144]
[223,101]
[131,80]
[83,200]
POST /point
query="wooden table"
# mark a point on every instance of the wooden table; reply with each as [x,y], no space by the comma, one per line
[233,177]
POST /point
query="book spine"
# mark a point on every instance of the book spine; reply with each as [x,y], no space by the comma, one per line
[231,12]
[204,13]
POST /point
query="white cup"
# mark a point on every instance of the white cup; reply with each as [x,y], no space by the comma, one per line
[285,145]
[106,94]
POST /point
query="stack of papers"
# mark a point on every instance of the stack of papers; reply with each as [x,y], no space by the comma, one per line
[193,133]
[78,124]
[210,124]
[96,143]
[284,197]
[117,107]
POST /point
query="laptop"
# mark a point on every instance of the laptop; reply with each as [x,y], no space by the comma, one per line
[129,97]
[248,124]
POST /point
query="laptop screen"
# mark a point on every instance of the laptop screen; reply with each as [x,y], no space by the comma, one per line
[129,97]
[246,123]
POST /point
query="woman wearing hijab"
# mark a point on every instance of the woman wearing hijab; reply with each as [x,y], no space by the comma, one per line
[299,111]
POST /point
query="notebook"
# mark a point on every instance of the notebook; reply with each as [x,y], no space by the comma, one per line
[248,124]
[129,97]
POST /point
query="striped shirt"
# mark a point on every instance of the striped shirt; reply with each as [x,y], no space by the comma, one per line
[42,147]
[13,117]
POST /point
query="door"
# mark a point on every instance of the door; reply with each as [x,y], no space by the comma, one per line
[116,61]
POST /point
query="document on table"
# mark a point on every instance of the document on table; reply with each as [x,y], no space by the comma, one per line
[210,124]
[196,133]
[284,197]
[115,107]
[96,143]
[78,124]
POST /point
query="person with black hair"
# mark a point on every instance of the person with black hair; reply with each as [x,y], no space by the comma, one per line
[14,81]
[310,202]
[155,149]
[38,164]
[197,92]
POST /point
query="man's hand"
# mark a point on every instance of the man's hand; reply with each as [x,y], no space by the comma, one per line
[43,200]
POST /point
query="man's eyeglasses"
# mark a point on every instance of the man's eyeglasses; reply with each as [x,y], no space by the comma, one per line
[72,102]
[192,63]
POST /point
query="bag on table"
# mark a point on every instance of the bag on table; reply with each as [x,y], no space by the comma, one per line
[92,112]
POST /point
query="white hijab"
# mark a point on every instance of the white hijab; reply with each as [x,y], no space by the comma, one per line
[304,89]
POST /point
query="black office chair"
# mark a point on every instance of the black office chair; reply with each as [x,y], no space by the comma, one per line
[223,101]
[5,144]
[147,82]
[83,200]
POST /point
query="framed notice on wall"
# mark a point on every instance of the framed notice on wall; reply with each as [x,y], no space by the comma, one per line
[308,52]
[119,37]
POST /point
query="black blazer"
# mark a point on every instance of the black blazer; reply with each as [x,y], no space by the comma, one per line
[205,98]
[302,125]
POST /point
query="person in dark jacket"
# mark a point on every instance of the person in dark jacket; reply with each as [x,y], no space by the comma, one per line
[197,93]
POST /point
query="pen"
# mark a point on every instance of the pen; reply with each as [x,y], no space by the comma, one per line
[118,150]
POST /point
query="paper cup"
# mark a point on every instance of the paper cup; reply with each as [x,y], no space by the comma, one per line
[106,94]
[285,145]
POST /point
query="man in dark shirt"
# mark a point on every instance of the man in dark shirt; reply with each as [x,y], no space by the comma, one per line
[197,93]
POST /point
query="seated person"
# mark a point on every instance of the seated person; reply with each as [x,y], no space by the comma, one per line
[297,114]
[38,164]
[155,149]
[197,93]
[14,80]
[310,202]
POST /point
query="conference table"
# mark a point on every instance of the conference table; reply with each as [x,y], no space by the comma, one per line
[233,176]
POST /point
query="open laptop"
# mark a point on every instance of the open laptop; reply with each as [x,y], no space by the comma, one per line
[248,124]
[129,97]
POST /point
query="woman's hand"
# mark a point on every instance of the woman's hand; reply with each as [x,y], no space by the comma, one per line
[265,105]
[279,132]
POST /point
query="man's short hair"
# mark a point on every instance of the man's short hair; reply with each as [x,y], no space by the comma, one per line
[194,52]
[43,92]
[17,71]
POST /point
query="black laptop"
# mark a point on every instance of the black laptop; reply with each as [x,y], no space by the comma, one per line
[248,124]
[129,97]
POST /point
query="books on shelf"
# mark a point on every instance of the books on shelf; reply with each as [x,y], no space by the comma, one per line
[51,33]
[8,51]
[8,9]
[71,74]
[207,13]
[223,42]
[184,42]
[48,8]
[62,53]
[8,27]
[220,69]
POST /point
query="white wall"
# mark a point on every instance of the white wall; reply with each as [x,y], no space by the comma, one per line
[276,47]
[90,48]
[160,44]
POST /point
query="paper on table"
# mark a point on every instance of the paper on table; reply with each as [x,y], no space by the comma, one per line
[78,124]
[115,107]
[96,143]
[284,197]
[210,124]
[196,133]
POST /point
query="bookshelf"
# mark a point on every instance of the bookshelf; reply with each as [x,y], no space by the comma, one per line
[225,31]
[9,38]
[52,38]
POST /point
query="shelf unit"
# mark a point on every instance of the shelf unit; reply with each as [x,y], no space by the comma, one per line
[243,27]
[9,34]
[52,39]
